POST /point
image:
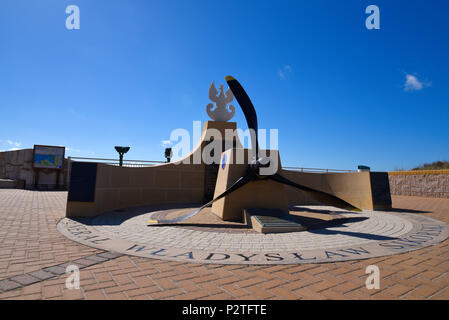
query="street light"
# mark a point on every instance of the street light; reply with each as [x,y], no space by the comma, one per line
[121,151]
[168,154]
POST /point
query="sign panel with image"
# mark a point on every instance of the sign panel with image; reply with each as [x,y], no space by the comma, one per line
[48,157]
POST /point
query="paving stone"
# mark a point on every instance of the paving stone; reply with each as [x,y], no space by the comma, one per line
[110,255]
[44,209]
[66,264]
[96,258]
[57,270]
[25,279]
[6,285]
[84,262]
[41,274]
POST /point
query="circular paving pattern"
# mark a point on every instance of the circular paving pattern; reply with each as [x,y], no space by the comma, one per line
[346,236]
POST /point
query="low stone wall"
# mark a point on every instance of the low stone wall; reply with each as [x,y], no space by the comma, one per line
[422,183]
[12,184]
[365,190]
[18,165]
[102,188]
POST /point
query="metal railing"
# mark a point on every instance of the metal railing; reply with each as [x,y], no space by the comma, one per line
[317,170]
[116,162]
[149,163]
[113,162]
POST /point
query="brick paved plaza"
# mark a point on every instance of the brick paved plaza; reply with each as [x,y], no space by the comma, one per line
[33,256]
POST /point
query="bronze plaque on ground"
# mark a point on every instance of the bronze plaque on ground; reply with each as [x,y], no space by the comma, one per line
[271,221]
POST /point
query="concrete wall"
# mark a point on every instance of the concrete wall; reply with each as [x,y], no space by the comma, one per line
[176,182]
[356,188]
[12,184]
[17,165]
[422,183]
[120,187]
[255,194]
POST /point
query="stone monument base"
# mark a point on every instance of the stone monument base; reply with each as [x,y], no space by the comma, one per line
[256,194]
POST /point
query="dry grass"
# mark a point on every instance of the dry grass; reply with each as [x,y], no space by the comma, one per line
[437,165]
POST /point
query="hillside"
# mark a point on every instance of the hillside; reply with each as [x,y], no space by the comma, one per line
[437,165]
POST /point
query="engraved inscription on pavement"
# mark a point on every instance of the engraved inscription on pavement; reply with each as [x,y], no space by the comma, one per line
[363,235]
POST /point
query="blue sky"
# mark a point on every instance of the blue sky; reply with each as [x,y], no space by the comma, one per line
[340,95]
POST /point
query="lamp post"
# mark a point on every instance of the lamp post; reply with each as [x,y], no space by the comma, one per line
[121,151]
[168,154]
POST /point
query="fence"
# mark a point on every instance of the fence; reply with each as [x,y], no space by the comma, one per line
[113,162]
[126,163]
[148,163]
[316,170]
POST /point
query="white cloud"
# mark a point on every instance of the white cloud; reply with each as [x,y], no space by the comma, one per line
[12,143]
[412,83]
[284,72]
[13,149]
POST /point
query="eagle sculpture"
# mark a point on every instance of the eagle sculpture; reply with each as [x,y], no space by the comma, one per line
[221,112]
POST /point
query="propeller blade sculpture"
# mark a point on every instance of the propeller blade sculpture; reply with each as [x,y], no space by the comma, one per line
[252,172]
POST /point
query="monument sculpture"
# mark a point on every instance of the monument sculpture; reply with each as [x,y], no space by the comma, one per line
[221,112]
[252,172]
[256,216]
[233,188]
